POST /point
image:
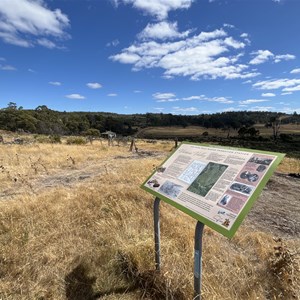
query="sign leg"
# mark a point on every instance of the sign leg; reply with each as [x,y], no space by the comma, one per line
[198,261]
[157,233]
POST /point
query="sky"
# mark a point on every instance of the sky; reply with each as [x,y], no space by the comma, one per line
[183,57]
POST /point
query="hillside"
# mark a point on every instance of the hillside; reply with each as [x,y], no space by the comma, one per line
[43,120]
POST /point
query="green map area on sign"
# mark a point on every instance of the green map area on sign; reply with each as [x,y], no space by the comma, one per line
[207,178]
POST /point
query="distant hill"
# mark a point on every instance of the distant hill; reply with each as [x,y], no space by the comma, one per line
[44,120]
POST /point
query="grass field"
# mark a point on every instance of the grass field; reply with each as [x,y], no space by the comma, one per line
[74,224]
[196,131]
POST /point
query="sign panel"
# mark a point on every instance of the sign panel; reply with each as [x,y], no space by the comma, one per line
[215,185]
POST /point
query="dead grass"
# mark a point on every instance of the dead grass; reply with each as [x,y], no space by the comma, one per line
[289,165]
[95,240]
[196,131]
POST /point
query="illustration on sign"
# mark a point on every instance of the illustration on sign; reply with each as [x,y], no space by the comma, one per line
[216,185]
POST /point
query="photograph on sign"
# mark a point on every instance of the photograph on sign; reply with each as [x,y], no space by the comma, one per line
[216,185]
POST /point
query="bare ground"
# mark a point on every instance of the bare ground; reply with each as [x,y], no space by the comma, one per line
[277,210]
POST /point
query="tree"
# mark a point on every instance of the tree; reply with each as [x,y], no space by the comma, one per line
[12,106]
[242,131]
[253,132]
[42,107]
[275,122]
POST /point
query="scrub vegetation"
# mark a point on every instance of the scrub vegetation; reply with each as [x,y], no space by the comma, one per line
[74,224]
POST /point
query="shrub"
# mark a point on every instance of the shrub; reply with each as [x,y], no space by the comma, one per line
[55,139]
[285,137]
[76,141]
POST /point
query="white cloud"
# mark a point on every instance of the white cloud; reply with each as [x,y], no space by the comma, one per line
[46,43]
[197,57]
[29,22]
[247,81]
[295,88]
[223,100]
[157,8]
[261,108]
[162,31]
[126,58]
[295,71]
[286,93]
[75,96]
[112,95]
[251,101]
[164,97]
[228,25]
[262,56]
[245,36]
[170,97]
[137,91]
[268,95]
[178,109]
[279,58]
[273,84]
[94,85]
[190,98]
[7,68]
[57,83]
[113,43]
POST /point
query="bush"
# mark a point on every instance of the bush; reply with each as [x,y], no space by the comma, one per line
[43,139]
[55,139]
[285,137]
[76,141]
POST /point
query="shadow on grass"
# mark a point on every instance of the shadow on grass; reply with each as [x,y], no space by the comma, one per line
[79,286]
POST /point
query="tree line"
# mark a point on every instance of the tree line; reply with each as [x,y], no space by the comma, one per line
[43,120]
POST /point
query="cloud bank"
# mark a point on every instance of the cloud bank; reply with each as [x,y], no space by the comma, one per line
[27,23]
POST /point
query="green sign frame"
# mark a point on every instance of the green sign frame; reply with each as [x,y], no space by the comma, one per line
[215,185]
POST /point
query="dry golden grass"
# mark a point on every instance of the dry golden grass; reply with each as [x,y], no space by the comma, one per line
[289,165]
[284,128]
[93,238]
[175,131]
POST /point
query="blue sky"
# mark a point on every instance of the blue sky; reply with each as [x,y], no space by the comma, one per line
[138,56]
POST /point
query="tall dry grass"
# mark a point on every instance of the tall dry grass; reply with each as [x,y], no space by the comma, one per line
[94,239]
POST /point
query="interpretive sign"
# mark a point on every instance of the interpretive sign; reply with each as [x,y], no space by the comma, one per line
[213,184]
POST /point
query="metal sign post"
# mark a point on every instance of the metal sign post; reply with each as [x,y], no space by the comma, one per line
[198,261]
[197,254]
[157,233]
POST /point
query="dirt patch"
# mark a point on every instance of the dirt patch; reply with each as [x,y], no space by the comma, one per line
[74,175]
[277,209]
[141,154]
